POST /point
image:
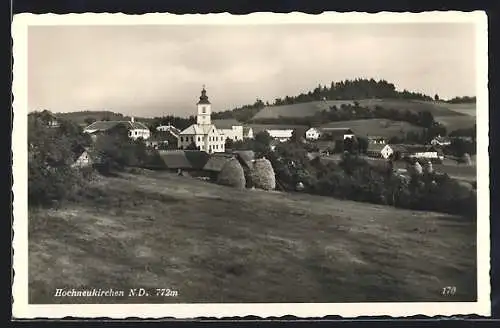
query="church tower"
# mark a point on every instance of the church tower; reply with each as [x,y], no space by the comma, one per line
[204,109]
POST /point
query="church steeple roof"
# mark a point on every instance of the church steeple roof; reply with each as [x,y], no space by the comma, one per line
[203,97]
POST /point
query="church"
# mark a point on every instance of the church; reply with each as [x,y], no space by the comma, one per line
[203,135]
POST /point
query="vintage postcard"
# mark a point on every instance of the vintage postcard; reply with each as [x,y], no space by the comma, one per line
[184,166]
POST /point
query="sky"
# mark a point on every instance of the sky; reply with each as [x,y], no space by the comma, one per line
[159,70]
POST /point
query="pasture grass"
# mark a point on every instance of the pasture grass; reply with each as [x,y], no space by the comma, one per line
[216,244]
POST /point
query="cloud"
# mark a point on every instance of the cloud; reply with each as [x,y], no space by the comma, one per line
[154,70]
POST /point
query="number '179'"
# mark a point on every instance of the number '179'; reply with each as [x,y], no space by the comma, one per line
[449,290]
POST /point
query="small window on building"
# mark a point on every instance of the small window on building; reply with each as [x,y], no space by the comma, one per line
[203,109]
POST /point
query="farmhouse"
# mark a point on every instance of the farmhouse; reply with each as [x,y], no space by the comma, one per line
[203,135]
[280,135]
[377,140]
[441,141]
[168,128]
[375,150]
[164,139]
[81,157]
[135,129]
[313,134]
[327,133]
[411,151]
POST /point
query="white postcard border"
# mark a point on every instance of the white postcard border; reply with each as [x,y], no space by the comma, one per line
[21,308]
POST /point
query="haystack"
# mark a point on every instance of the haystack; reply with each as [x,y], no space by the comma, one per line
[262,174]
[232,175]
[428,167]
[466,159]
[417,168]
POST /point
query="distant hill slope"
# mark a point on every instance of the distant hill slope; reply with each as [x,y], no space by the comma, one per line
[310,108]
[376,127]
[457,122]
[80,116]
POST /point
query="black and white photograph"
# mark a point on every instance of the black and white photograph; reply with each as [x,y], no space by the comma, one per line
[263,164]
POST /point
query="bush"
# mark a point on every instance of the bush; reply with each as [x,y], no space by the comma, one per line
[50,156]
[232,175]
[262,174]
[47,185]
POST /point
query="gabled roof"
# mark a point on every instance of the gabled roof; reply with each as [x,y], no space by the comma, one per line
[196,129]
[106,125]
[164,136]
[184,159]
[169,128]
[285,133]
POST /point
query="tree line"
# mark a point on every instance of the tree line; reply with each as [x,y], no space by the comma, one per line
[356,179]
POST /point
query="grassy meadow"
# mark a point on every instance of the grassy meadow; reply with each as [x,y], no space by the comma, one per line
[215,244]
[457,122]
[376,127]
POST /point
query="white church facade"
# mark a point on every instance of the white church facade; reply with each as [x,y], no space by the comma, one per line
[203,135]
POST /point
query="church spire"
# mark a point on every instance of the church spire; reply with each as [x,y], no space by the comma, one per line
[203,97]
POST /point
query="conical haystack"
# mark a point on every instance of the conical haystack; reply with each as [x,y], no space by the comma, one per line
[428,167]
[262,174]
[232,175]
[417,168]
[466,159]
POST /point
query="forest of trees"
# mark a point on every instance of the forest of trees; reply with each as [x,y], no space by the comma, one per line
[355,89]
[462,100]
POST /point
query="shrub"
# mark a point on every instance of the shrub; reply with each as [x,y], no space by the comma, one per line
[262,174]
[232,175]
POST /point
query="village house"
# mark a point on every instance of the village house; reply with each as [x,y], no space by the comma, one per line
[313,134]
[165,137]
[375,150]
[329,133]
[336,133]
[203,135]
[441,141]
[81,157]
[376,140]
[410,151]
[135,129]
[168,128]
[281,135]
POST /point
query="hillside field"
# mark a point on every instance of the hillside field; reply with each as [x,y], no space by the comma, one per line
[214,244]
[457,122]
[376,127]
[80,116]
[310,108]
